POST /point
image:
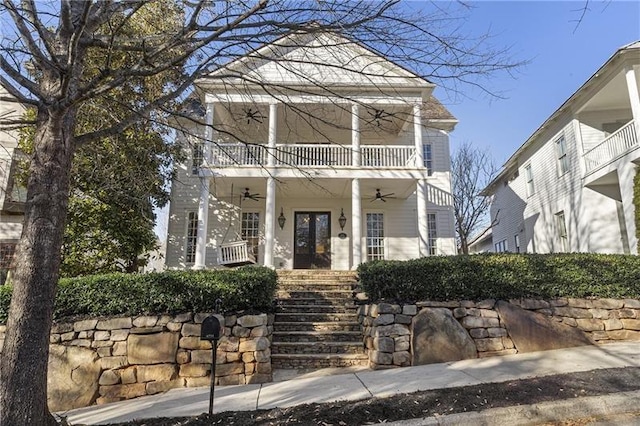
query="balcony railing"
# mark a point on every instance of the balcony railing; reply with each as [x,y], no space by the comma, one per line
[612,148]
[313,155]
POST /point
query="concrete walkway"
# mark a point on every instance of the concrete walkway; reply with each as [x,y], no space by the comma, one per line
[364,384]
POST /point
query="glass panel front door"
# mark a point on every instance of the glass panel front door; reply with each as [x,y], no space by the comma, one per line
[312,240]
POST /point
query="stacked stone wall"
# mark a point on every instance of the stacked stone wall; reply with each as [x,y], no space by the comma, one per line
[387,328]
[121,358]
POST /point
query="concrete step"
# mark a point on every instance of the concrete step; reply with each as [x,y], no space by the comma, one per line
[305,285]
[285,308]
[317,336]
[294,361]
[317,294]
[318,301]
[306,326]
[315,317]
[317,348]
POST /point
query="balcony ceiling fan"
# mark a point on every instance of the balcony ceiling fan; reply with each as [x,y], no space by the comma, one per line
[247,195]
[379,116]
[382,197]
[251,115]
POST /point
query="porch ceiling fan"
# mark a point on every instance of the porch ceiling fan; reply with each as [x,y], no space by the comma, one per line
[252,115]
[378,116]
[247,195]
[382,197]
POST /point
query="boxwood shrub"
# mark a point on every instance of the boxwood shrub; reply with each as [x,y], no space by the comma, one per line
[502,276]
[249,288]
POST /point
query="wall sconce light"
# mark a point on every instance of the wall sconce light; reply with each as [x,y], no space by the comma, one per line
[281,219]
[342,220]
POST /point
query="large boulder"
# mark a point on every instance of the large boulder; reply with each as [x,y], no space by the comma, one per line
[438,337]
[531,331]
[73,377]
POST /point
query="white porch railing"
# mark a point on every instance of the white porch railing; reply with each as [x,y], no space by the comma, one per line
[387,156]
[313,155]
[612,148]
[234,254]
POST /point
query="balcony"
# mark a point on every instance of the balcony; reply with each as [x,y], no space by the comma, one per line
[313,155]
[612,148]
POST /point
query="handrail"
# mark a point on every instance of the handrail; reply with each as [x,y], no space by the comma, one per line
[611,148]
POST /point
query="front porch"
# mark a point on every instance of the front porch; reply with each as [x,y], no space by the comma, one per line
[331,224]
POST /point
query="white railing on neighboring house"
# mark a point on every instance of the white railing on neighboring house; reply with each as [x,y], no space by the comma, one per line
[234,254]
[313,155]
[612,148]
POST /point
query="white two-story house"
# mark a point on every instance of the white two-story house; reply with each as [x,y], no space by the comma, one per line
[316,153]
[569,187]
[12,195]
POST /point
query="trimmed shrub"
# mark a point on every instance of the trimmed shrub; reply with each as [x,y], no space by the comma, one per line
[250,288]
[502,276]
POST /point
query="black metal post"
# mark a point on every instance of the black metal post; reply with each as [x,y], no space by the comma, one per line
[214,347]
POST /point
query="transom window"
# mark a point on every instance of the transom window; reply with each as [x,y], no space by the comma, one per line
[250,231]
[375,236]
[192,237]
[433,234]
[563,160]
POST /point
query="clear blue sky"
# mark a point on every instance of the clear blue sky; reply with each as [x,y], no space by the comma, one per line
[562,57]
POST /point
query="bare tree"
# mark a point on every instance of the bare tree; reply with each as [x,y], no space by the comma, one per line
[471,171]
[43,64]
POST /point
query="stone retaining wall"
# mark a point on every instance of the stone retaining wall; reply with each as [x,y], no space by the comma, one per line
[388,328]
[107,360]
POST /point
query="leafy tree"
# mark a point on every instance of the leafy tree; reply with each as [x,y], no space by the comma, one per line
[60,59]
[471,171]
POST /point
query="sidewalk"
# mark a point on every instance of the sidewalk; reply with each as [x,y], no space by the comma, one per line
[367,384]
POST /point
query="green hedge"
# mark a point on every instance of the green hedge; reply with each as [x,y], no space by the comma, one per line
[166,292]
[502,276]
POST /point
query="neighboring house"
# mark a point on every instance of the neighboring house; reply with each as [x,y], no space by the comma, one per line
[12,195]
[569,187]
[482,243]
[323,155]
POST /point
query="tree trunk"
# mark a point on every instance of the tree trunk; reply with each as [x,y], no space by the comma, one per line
[26,348]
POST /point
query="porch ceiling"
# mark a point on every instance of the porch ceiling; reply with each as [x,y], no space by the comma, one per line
[614,95]
[225,188]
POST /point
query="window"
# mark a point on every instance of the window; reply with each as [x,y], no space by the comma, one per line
[562,231]
[517,243]
[250,231]
[192,237]
[198,157]
[501,246]
[375,236]
[433,235]
[563,160]
[427,158]
[528,173]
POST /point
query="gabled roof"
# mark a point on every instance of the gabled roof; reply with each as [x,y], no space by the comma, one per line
[317,58]
[628,49]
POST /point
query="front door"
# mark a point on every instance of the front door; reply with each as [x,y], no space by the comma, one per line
[312,240]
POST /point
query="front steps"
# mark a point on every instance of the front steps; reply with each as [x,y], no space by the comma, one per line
[316,325]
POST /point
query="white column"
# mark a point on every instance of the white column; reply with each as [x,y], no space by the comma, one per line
[273,128]
[417,132]
[203,205]
[269,222]
[626,172]
[423,229]
[634,97]
[356,224]
[355,135]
